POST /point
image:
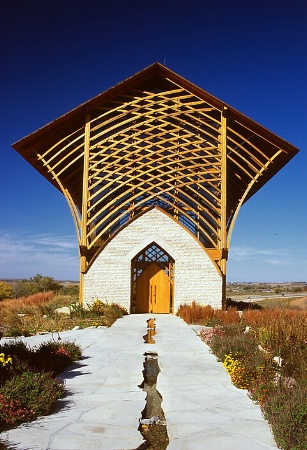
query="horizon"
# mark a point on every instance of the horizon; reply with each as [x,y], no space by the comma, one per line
[11,280]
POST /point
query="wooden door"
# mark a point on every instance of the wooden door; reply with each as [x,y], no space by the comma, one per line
[153,290]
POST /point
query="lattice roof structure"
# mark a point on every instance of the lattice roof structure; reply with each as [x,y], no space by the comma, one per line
[155,140]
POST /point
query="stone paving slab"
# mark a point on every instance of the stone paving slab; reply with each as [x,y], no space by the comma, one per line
[203,409]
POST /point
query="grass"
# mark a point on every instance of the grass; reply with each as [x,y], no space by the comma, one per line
[37,313]
[265,352]
[206,315]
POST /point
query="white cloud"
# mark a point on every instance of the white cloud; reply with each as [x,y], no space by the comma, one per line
[278,261]
[241,253]
[23,255]
[247,263]
[48,241]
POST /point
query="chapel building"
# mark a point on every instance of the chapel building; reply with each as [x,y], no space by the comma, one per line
[155,171]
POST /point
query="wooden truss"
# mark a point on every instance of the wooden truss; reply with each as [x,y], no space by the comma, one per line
[156,140]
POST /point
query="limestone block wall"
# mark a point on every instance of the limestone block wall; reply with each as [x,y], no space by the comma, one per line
[195,278]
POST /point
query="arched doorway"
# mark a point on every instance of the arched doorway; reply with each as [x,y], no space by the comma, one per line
[152,281]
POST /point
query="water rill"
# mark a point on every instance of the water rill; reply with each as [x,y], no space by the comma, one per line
[152,423]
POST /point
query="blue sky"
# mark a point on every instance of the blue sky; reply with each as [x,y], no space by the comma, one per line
[57,54]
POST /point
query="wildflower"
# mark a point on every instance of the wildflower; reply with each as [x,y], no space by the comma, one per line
[63,352]
[4,362]
[278,360]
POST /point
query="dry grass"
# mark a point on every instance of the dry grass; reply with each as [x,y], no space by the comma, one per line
[275,327]
[26,304]
[37,313]
[206,315]
[299,303]
[274,372]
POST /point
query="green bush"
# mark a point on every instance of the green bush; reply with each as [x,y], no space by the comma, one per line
[33,285]
[234,341]
[114,311]
[55,356]
[50,356]
[278,384]
[30,387]
[99,313]
[72,348]
[18,349]
[26,396]
[6,290]
[286,411]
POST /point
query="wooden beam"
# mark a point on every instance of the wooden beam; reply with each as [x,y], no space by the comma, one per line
[85,193]
[223,237]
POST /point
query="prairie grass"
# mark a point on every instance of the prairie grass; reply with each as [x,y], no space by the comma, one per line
[26,303]
[206,315]
[264,351]
[37,313]
[278,330]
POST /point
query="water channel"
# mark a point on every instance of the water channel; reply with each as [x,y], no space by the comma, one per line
[152,422]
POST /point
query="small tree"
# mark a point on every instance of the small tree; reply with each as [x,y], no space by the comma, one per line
[6,290]
[44,284]
[33,285]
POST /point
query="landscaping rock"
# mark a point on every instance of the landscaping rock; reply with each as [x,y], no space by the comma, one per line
[63,310]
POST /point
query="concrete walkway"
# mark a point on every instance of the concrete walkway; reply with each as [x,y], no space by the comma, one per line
[203,409]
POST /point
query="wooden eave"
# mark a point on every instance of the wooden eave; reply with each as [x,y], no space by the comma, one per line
[45,137]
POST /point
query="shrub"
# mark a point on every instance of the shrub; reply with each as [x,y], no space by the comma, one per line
[72,348]
[286,411]
[26,396]
[31,315]
[52,357]
[98,307]
[207,334]
[195,313]
[5,362]
[234,341]
[17,349]
[4,445]
[113,312]
[242,374]
[55,357]
[99,313]
[33,285]
[9,309]
[30,387]
[274,372]
[5,366]
[49,356]
[6,290]
[71,290]
[12,412]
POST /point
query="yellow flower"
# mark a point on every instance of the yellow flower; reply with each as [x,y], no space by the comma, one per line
[5,361]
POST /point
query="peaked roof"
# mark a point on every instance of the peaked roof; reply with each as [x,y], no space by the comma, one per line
[155,140]
[48,135]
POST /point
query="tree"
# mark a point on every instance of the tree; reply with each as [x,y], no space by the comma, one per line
[6,290]
[44,284]
[33,285]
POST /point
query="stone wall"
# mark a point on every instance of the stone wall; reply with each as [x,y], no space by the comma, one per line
[196,276]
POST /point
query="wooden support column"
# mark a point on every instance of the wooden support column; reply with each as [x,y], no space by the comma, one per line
[223,235]
[84,213]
